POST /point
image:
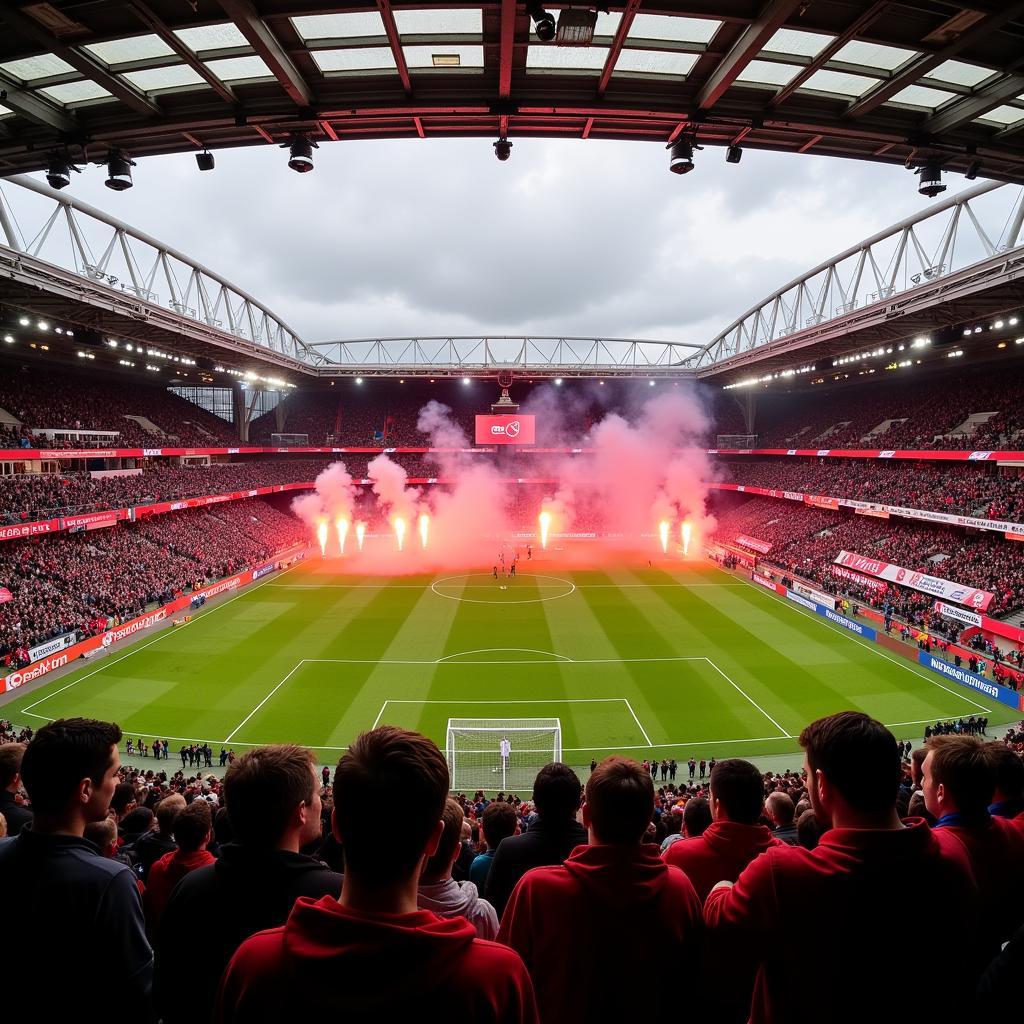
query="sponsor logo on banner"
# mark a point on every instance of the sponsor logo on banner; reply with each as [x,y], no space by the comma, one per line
[932,585]
[815,595]
[176,506]
[856,577]
[791,451]
[112,636]
[96,518]
[821,501]
[798,599]
[219,588]
[878,513]
[960,614]
[78,453]
[1010,535]
[888,453]
[960,675]
[15,679]
[978,456]
[58,643]
[842,620]
[28,529]
[505,429]
[232,451]
[263,571]
[152,451]
[754,544]
[824,451]
[766,583]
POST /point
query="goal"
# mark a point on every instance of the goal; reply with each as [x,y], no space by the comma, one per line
[500,753]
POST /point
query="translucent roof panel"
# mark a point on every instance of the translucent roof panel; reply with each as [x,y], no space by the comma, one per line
[920,96]
[121,51]
[440,23]
[172,77]
[607,24]
[4,112]
[567,58]
[76,92]
[839,83]
[212,37]
[872,55]
[959,73]
[655,62]
[46,65]
[766,72]
[423,56]
[369,58]
[680,30]
[339,26]
[1003,115]
[803,44]
[237,69]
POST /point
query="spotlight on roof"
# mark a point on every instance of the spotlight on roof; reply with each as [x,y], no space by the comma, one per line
[680,157]
[930,184]
[576,28]
[300,152]
[119,170]
[465,380]
[733,155]
[543,22]
[972,170]
[503,149]
[58,170]
[204,160]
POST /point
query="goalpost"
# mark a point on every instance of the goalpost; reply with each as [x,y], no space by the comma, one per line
[500,753]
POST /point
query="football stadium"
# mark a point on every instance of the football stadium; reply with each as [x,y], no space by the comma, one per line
[452,580]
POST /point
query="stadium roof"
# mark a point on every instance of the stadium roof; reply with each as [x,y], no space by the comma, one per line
[884,81]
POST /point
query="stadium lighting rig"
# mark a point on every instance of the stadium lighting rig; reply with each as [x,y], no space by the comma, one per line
[119,170]
[503,149]
[930,174]
[58,170]
[543,22]
[204,160]
[300,152]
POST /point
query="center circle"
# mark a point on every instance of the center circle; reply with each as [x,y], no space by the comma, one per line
[566,587]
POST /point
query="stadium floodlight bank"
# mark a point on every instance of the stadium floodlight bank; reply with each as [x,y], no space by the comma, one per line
[500,753]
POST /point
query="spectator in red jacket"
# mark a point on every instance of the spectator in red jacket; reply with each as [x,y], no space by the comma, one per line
[193,829]
[959,781]
[586,927]
[372,955]
[734,837]
[815,919]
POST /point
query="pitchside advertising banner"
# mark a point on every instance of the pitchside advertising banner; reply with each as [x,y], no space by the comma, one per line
[983,622]
[933,585]
[971,680]
[754,544]
[505,429]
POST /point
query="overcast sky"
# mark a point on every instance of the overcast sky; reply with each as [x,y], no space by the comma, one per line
[567,238]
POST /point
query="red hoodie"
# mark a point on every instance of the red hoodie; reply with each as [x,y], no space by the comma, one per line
[587,929]
[330,960]
[995,848]
[820,923]
[164,875]
[720,854]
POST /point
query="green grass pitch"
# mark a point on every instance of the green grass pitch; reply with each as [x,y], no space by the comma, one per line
[640,660]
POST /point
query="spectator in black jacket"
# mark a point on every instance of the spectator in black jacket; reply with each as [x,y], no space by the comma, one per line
[272,796]
[551,837]
[16,814]
[79,914]
[152,845]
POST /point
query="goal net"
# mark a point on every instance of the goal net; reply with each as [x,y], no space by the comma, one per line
[500,753]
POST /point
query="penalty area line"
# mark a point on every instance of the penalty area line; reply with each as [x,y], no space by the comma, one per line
[643,731]
[744,693]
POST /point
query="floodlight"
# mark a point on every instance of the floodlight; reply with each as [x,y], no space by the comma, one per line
[204,160]
[680,159]
[503,149]
[119,170]
[931,179]
[972,170]
[544,23]
[300,148]
[58,172]
[733,155]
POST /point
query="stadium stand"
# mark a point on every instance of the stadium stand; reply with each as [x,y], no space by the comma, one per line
[79,582]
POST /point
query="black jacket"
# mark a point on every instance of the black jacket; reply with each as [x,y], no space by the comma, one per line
[78,919]
[16,815]
[214,909]
[540,844]
[149,848]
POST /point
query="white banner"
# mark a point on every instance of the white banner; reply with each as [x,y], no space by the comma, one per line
[815,595]
[58,643]
[933,585]
[960,614]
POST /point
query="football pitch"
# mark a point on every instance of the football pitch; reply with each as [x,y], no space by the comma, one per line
[655,662]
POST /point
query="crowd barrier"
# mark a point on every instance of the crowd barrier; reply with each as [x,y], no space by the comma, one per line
[928,659]
[123,630]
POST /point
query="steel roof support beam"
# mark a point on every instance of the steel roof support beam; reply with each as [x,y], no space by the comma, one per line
[268,46]
[507,45]
[967,109]
[926,62]
[36,107]
[744,50]
[628,14]
[159,28]
[395,41]
[82,62]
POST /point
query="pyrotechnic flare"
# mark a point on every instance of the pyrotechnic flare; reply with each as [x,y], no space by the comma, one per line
[424,528]
[321,536]
[360,534]
[400,531]
[545,525]
[341,525]
[663,533]
[686,530]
